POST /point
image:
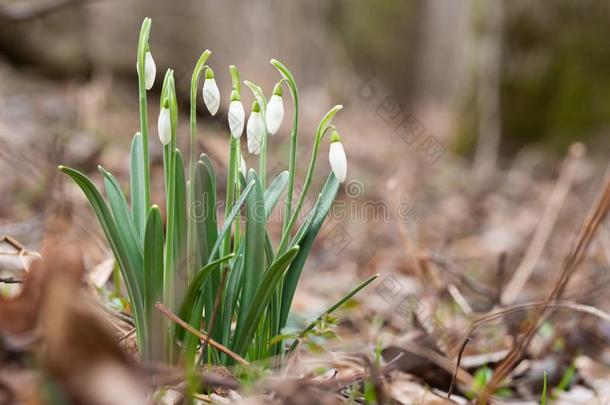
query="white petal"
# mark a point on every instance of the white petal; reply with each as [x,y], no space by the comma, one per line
[254,131]
[338,161]
[164,126]
[211,96]
[275,114]
[237,116]
[242,167]
[150,71]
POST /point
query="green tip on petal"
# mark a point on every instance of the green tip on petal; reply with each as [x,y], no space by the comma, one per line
[209,73]
[277,90]
[166,102]
[235,95]
[256,107]
[334,136]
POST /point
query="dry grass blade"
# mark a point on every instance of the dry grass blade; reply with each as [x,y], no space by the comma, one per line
[571,264]
[546,224]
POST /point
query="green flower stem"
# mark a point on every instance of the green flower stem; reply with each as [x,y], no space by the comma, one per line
[237,232]
[231,180]
[323,127]
[141,212]
[169,163]
[191,244]
[293,138]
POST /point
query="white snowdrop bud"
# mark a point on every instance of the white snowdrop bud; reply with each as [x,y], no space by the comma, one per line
[275,110]
[336,157]
[242,166]
[164,125]
[255,129]
[237,115]
[150,70]
[211,95]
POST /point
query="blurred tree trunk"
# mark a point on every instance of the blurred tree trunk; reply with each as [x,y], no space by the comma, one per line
[490,19]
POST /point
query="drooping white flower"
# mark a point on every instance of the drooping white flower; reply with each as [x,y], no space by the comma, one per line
[242,166]
[255,129]
[211,95]
[237,116]
[336,157]
[275,110]
[164,125]
[150,70]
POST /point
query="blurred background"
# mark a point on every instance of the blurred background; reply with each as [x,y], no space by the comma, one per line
[476,133]
[458,113]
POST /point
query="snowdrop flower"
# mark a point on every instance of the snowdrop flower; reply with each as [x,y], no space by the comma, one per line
[275,110]
[336,157]
[211,95]
[164,124]
[150,70]
[242,166]
[237,115]
[255,129]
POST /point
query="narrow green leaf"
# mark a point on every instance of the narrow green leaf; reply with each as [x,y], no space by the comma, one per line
[192,306]
[227,225]
[128,264]
[153,281]
[204,208]
[138,202]
[232,293]
[120,212]
[325,200]
[274,192]
[180,229]
[267,286]
[254,258]
[332,309]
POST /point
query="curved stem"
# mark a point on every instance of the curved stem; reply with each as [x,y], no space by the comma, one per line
[169,163]
[323,127]
[293,138]
[142,47]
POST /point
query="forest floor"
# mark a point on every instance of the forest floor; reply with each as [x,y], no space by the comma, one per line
[512,265]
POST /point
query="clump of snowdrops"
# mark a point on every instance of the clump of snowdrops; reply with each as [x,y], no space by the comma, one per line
[227,280]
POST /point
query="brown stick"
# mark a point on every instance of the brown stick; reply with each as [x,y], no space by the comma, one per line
[202,336]
[572,262]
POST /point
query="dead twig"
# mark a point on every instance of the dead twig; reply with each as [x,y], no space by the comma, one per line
[126,335]
[457,366]
[572,262]
[202,336]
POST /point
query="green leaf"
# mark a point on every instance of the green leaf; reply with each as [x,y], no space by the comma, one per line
[204,208]
[180,226]
[232,289]
[274,192]
[192,306]
[120,212]
[227,225]
[254,258]
[138,203]
[267,286]
[332,309]
[153,281]
[321,208]
[129,265]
